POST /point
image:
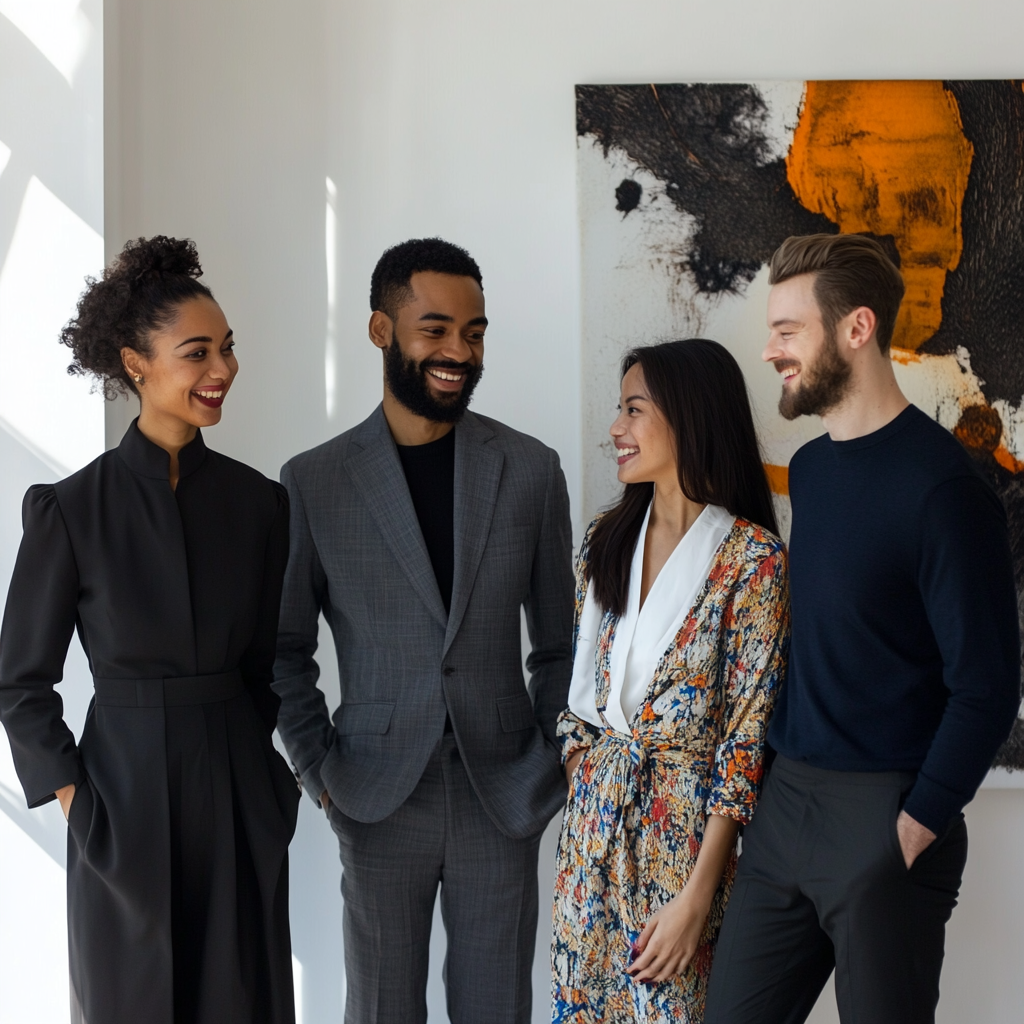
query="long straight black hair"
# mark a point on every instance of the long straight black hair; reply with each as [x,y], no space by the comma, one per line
[700,390]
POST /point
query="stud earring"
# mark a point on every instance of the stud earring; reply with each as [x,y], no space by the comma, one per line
[138,378]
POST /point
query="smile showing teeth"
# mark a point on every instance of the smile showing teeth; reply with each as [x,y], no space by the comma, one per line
[628,451]
[791,371]
[210,394]
[443,375]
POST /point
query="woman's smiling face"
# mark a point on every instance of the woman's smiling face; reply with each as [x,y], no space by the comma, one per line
[644,441]
[189,367]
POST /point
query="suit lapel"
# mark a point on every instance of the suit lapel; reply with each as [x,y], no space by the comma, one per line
[375,470]
[477,477]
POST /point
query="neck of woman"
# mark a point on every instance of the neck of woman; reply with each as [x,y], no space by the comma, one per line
[672,512]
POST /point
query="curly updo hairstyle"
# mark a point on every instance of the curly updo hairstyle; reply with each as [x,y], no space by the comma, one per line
[139,292]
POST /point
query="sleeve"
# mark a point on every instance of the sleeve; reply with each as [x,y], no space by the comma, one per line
[302,721]
[549,607]
[39,620]
[966,582]
[573,732]
[257,662]
[756,646]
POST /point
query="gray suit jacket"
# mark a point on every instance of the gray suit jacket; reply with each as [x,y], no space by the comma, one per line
[358,555]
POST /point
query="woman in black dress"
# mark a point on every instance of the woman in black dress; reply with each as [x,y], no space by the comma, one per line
[168,558]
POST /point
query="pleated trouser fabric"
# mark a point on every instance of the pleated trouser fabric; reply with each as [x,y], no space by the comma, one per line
[441,835]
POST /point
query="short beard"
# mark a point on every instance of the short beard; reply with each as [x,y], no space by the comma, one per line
[407,381]
[824,384]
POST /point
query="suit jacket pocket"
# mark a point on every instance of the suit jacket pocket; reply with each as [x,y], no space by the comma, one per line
[364,719]
[516,712]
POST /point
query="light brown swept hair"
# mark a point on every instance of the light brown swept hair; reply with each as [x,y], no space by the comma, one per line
[849,271]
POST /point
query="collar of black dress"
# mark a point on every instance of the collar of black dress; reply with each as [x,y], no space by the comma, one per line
[148,459]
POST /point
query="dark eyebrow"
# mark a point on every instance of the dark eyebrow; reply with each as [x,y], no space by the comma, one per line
[479,321]
[203,338]
[637,398]
[782,323]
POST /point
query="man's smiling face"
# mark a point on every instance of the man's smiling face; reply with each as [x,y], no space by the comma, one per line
[802,348]
[436,354]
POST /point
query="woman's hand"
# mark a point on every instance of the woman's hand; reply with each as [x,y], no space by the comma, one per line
[65,795]
[572,762]
[669,940]
[671,936]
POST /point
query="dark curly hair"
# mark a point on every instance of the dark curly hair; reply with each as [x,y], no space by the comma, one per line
[389,284]
[138,293]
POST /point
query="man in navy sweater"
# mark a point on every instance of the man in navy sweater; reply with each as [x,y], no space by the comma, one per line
[904,671]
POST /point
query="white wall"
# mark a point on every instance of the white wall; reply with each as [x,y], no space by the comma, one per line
[51,219]
[457,117]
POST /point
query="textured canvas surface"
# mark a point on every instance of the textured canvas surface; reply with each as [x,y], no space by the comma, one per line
[685,190]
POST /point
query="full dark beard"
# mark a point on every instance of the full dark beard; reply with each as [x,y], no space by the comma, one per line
[824,384]
[407,381]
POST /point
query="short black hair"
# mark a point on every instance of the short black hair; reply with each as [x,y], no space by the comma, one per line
[389,285]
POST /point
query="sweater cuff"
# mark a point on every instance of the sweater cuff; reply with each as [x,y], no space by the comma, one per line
[933,805]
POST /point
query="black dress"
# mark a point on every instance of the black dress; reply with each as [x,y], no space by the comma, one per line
[179,829]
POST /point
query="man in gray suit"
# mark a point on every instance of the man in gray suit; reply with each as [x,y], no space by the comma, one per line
[420,534]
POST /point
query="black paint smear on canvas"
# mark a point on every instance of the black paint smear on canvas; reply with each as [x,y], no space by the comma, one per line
[708,144]
[983,302]
[1010,488]
[627,195]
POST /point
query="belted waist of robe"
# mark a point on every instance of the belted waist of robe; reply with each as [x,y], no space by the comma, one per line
[618,763]
[642,749]
[180,691]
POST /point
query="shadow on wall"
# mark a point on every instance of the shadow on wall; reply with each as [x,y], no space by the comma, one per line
[51,215]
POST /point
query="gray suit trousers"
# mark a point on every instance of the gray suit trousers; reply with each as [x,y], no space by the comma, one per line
[441,835]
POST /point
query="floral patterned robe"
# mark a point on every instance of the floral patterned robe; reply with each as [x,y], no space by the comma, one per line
[637,807]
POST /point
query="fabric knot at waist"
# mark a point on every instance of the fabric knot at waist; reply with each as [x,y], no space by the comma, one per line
[642,749]
[622,761]
[179,691]
[620,768]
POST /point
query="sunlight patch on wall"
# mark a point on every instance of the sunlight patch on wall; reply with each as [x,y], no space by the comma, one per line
[51,252]
[58,29]
[5,155]
[297,983]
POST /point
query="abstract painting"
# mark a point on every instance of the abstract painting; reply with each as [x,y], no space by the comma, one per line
[685,191]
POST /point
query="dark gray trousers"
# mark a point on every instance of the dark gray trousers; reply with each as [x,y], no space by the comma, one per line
[822,884]
[391,870]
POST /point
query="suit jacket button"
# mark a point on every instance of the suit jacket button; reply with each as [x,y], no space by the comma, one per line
[449,671]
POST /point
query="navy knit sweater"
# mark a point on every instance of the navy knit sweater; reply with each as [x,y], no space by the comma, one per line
[905,651]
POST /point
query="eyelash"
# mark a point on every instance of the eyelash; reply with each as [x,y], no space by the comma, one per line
[200,353]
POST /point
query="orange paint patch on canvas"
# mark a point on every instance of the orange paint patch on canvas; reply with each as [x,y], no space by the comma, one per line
[904,356]
[778,478]
[889,158]
[1007,460]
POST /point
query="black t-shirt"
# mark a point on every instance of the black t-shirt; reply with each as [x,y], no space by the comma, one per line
[430,474]
[904,654]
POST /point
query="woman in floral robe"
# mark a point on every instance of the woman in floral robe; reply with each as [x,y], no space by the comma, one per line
[656,773]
